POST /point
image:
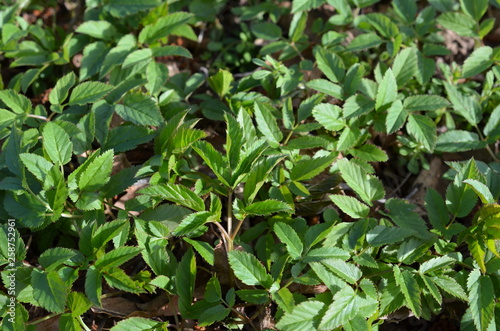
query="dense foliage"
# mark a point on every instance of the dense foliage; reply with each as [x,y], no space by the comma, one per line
[250,165]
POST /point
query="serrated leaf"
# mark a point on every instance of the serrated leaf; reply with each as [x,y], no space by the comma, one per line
[323,253]
[432,288]
[204,249]
[466,106]
[221,82]
[481,299]
[291,239]
[481,190]
[458,22]
[140,57]
[117,257]
[257,176]
[423,129]
[351,206]
[192,223]
[137,324]
[370,153]
[451,286]
[105,233]
[436,210]
[383,235]
[139,109]
[92,60]
[214,160]
[402,213]
[98,29]
[309,168]
[436,263]
[458,141]
[410,289]
[304,316]
[396,117]
[460,197]
[424,102]
[480,60]
[171,50]
[117,278]
[248,269]
[50,291]
[326,87]
[54,257]
[97,173]
[15,101]
[474,8]
[176,193]
[88,92]
[156,75]
[93,285]
[330,64]
[405,65]
[163,27]
[387,91]
[368,187]
[329,116]
[345,270]
[37,165]
[60,92]
[56,143]
[267,207]
[185,277]
[266,30]
[266,123]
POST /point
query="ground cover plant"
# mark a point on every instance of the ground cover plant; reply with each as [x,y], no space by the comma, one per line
[250,165]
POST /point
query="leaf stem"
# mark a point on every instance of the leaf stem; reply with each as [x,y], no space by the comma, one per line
[229,220]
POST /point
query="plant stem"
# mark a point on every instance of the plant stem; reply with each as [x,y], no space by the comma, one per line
[229,220]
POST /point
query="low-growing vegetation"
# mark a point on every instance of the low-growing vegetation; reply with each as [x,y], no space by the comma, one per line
[250,165]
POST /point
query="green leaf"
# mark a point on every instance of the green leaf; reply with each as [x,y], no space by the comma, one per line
[54,257]
[214,160]
[117,278]
[176,193]
[436,210]
[459,23]
[345,270]
[257,177]
[267,207]
[460,197]
[387,91]
[481,190]
[97,173]
[221,82]
[204,249]
[364,41]
[351,206]
[396,117]
[163,27]
[17,102]
[407,9]
[466,106]
[304,316]
[424,102]
[368,187]
[92,60]
[481,299]
[136,323]
[88,92]
[450,286]
[117,257]
[121,8]
[93,285]
[185,277]
[50,291]
[37,165]
[192,223]
[156,75]
[402,213]
[105,233]
[308,168]
[171,50]
[330,64]
[477,62]
[287,234]
[78,303]
[326,87]
[405,65]
[435,264]
[346,305]
[248,269]
[141,57]
[139,109]
[266,30]
[60,92]
[329,116]
[423,129]
[410,289]
[98,29]
[458,141]
[370,153]
[383,235]
[266,123]
[56,143]
[474,8]
[304,5]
